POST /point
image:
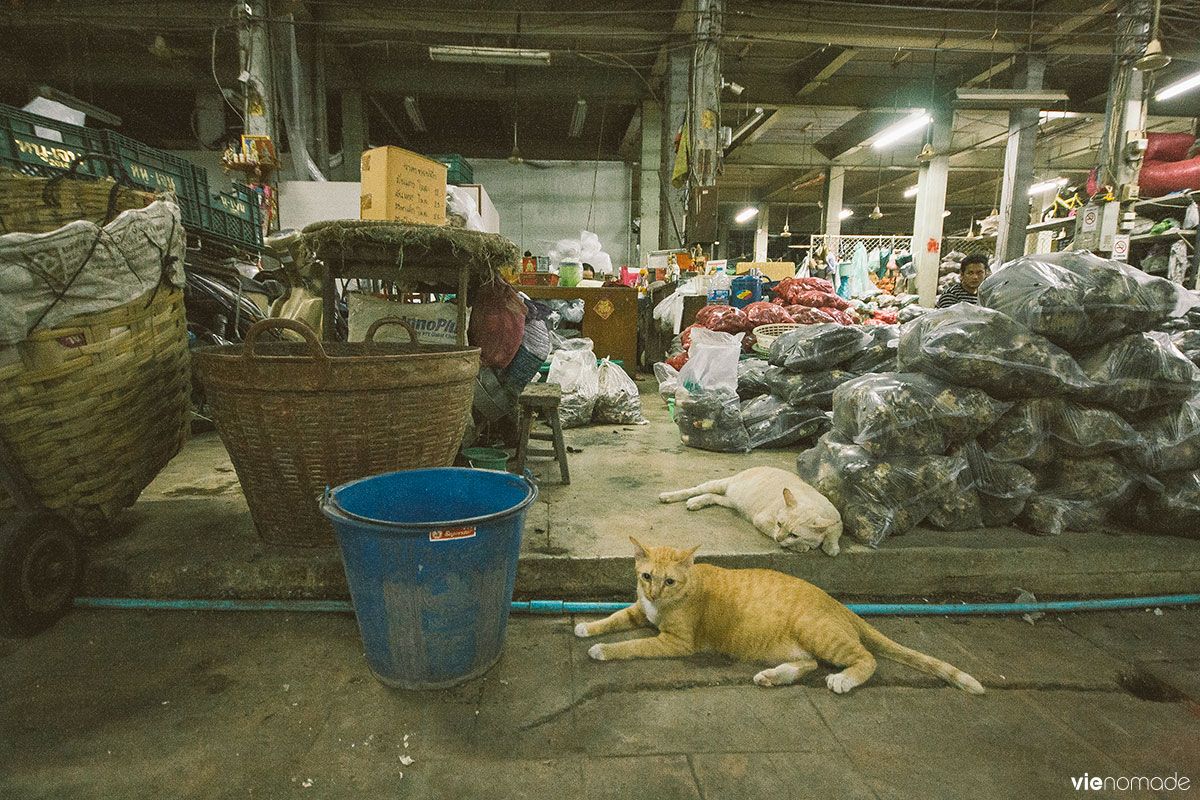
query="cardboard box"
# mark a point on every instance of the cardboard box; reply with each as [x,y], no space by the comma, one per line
[773,270]
[491,217]
[401,186]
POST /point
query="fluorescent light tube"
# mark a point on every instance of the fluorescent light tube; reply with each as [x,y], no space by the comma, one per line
[1011,98]
[746,214]
[488,55]
[845,213]
[577,118]
[1046,186]
[911,191]
[743,130]
[901,129]
[1178,87]
[414,114]
[1046,116]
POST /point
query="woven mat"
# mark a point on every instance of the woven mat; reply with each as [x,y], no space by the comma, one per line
[485,254]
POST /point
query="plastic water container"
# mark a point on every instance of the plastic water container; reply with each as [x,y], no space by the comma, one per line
[718,289]
[744,290]
[570,273]
[431,558]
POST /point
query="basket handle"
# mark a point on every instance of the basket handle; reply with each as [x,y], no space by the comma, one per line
[379,323]
[321,367]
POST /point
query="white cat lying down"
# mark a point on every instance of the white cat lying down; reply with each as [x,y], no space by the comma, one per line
[778,502]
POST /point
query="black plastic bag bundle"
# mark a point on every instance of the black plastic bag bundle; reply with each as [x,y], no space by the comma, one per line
[1035,432]
[878,498]
[816,347]
[1188,342]
[981,347]
[1002,488]
[1170,439]
[903,413]
[711,419]
[1140,371]
[879,355]
[750,378]
[771,422]
[805,389]
[1078,300]
[1170,505]
[1080,495]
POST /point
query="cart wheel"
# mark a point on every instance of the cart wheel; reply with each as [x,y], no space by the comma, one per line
[41,563]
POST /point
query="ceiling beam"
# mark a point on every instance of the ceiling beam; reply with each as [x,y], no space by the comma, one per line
[827,72]
[1062,29]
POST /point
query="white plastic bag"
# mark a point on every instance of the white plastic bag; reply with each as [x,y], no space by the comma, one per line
[585,250]
[618,401]
[573,368]
[712,361]
[459,202]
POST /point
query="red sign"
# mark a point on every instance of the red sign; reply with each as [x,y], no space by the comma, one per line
[933,245]
[451,533]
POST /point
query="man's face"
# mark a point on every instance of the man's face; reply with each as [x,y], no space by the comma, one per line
[973,275]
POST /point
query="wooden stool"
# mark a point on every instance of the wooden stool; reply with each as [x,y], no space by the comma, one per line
[544,399]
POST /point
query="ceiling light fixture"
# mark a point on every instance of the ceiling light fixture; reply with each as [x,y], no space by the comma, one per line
[1153,58]
[488,55]
[1046,186]
[846,213]
[911,191]
[414,114]
[1010,98]
[901,129]
[577,118]
[1178,87]
[746,214]
[1047,116]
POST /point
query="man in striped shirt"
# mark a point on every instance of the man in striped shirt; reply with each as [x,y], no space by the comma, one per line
[974,270]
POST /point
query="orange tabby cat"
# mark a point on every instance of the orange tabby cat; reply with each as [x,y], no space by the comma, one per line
[755,615]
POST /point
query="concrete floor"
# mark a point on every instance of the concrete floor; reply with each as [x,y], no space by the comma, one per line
[133,705]
[190,535]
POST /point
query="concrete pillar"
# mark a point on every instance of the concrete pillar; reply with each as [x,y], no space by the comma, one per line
[651,194]
[255,45]
[1018,167]
[1124,104]
[354,134]
[835,180]
[931,207]
[706,91]
[761,236]
[674,112]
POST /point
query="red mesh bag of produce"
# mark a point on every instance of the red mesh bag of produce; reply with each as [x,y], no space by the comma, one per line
[819,299]
[840,317]
[819,284]
[748,342]
[808,316]
[726,319]
[497,323]
[1163,177]
[883,318]
[1168,146]
[677,361]
[761,313]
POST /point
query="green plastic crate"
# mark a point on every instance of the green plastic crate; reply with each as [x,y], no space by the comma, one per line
[458,169]
[233,217]
[24,150]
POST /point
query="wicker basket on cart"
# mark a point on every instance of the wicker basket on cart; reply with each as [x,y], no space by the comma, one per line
[93,406]
[297,417]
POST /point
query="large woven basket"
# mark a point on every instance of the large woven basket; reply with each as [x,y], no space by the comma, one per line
[297,417]
[93,408]
[40,205]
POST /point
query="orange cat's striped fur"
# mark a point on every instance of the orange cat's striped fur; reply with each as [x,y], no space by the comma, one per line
[754,615]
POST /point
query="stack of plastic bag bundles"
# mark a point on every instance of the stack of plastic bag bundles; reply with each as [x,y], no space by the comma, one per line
[1054,405]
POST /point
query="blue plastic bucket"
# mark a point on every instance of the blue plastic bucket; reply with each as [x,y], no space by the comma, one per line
[431,558]
[745,290]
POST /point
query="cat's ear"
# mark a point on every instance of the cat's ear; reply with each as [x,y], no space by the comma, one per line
[689,557]
[639,551]
[789,498]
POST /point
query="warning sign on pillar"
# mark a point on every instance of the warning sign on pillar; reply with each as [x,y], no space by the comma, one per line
[1120,248]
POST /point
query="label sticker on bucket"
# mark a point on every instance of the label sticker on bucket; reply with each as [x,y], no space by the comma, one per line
[451,533]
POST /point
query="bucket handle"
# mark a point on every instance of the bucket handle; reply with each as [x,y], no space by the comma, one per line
[379,323]
[320,358]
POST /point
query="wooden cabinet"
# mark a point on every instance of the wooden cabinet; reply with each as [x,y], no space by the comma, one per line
[609,318]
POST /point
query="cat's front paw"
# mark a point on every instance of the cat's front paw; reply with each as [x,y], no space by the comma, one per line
[840,683]
[596,652]
[581,630]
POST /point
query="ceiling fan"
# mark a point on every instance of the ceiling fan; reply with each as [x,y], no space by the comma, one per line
[515,156]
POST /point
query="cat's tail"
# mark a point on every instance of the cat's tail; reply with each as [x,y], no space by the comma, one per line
[883,646]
